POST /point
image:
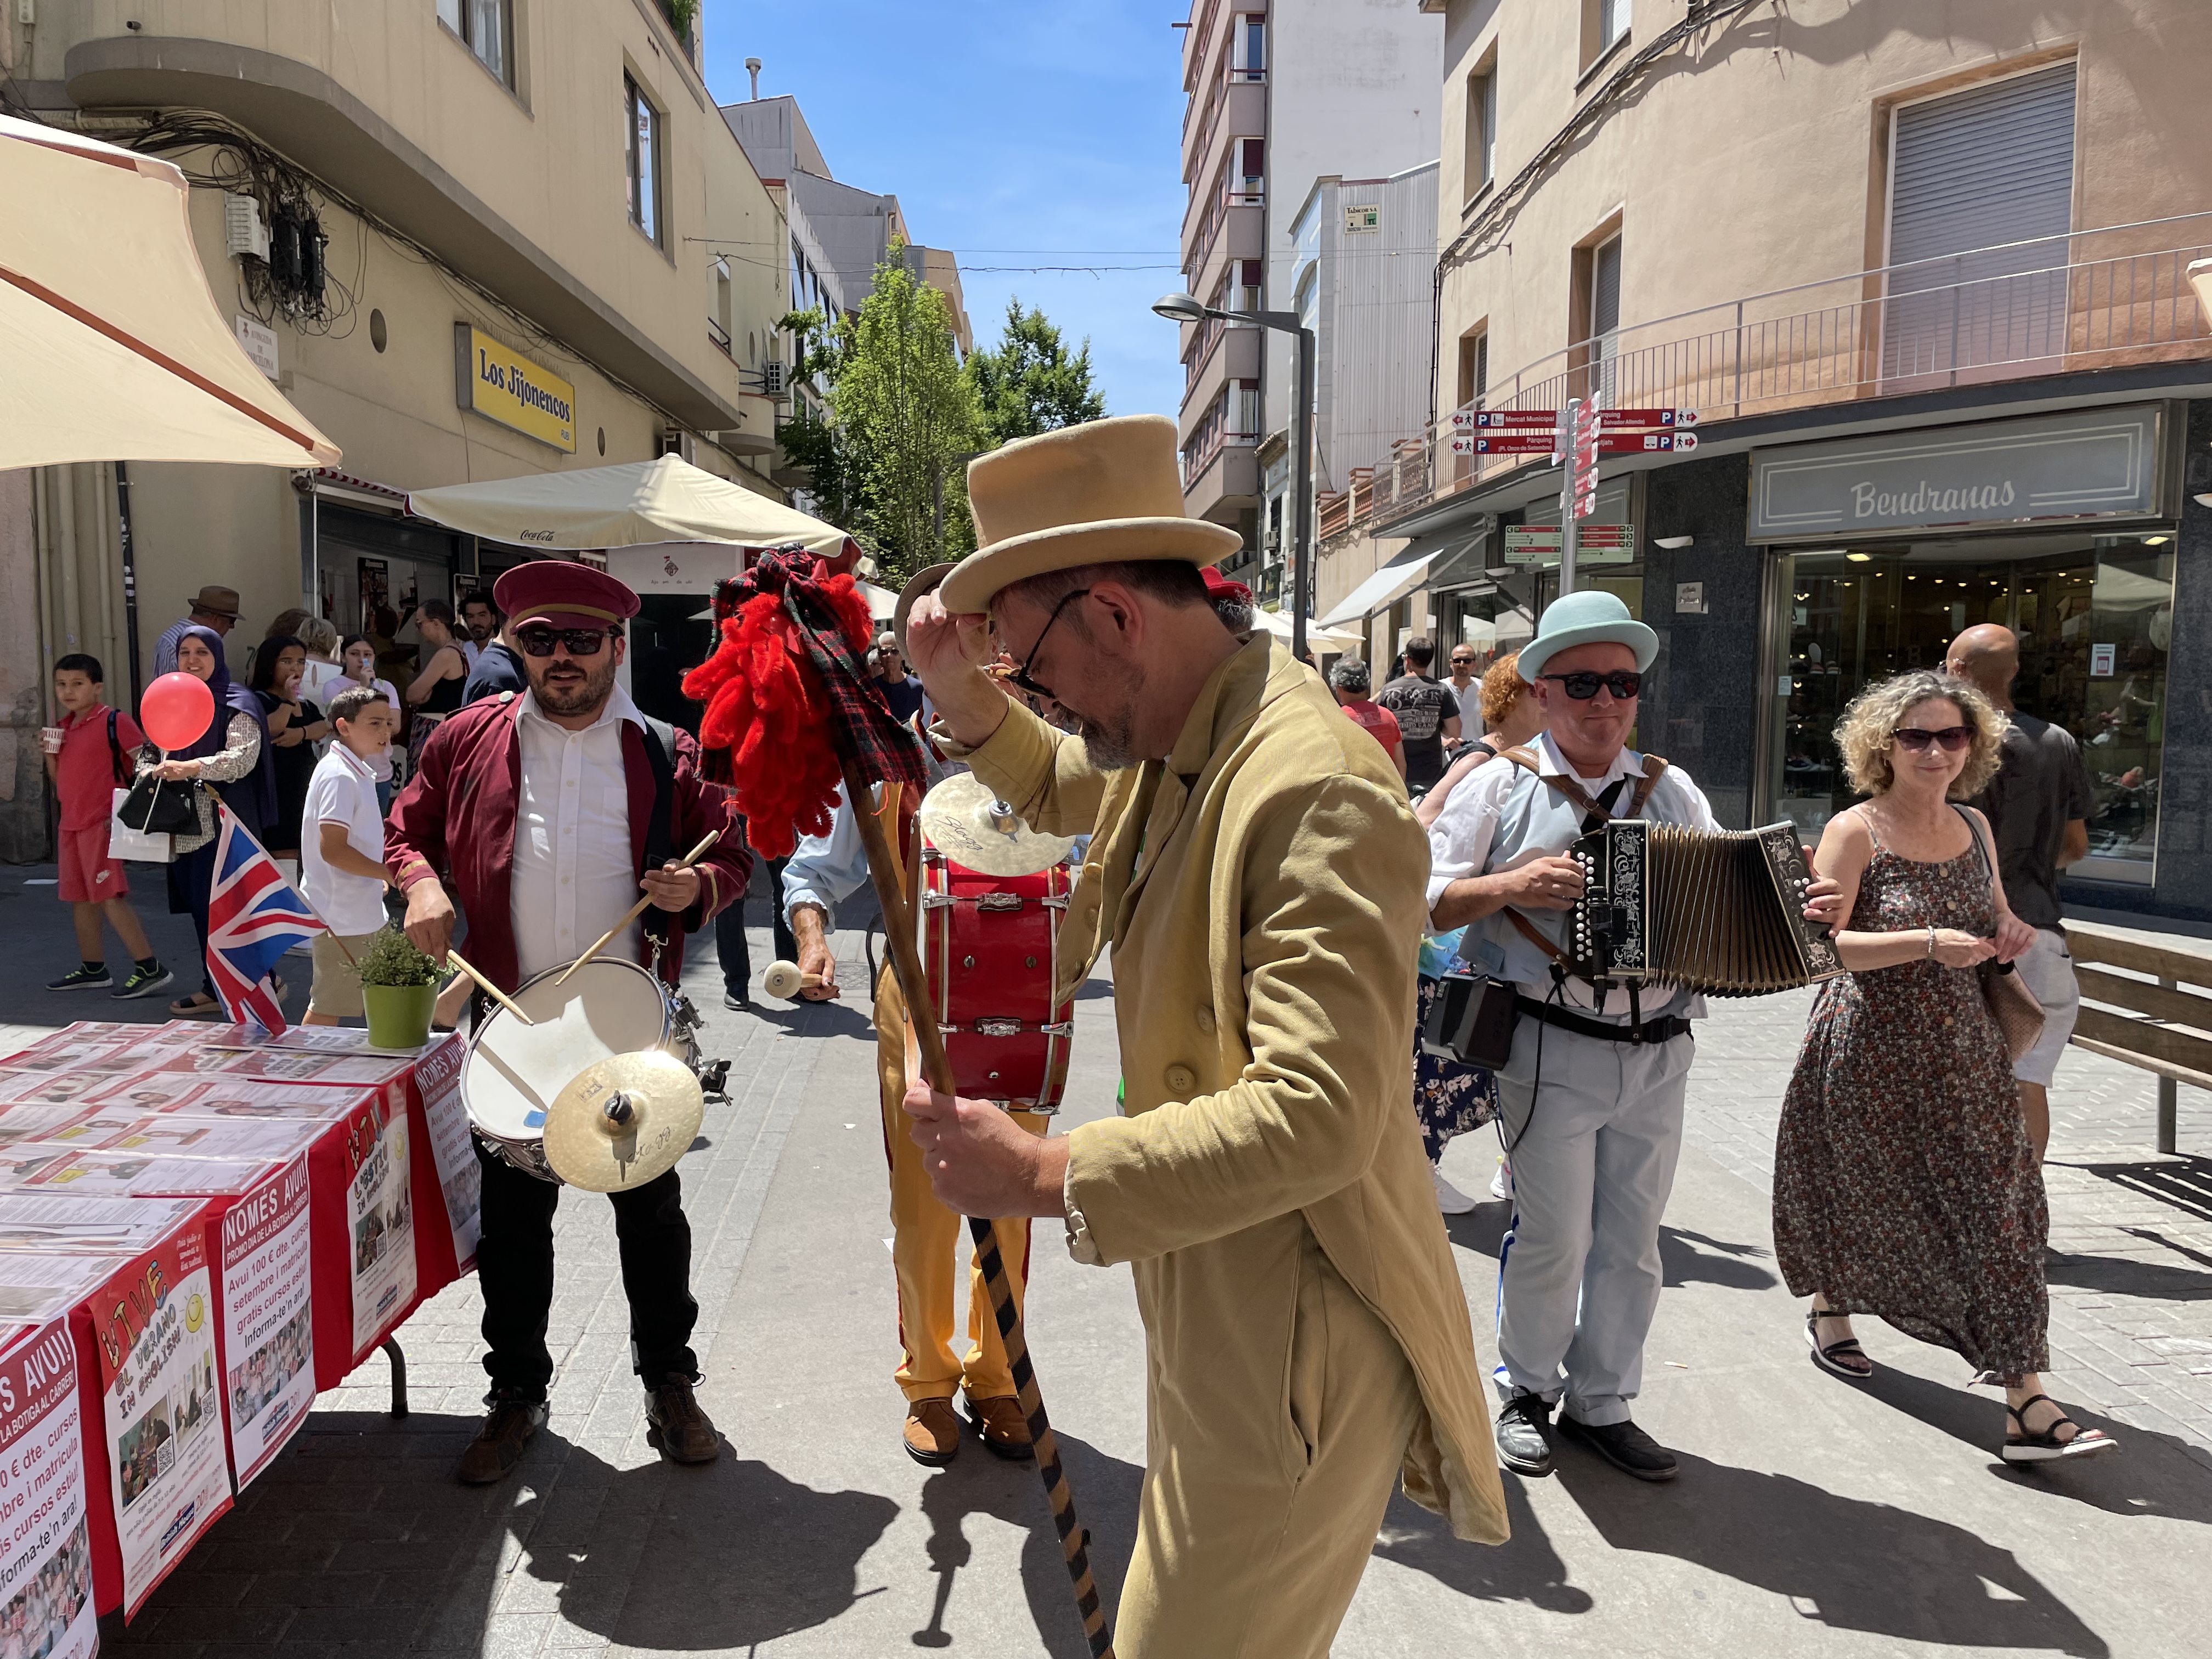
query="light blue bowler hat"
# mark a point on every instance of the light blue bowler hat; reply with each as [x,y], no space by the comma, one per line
[1593,617]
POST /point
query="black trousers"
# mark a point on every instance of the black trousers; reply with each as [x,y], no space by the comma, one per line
[515,1264]
[731,945]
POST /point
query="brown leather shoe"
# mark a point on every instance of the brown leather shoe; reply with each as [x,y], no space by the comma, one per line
[932,1432]
[1002,1427]
[678,1428]
[498,1445]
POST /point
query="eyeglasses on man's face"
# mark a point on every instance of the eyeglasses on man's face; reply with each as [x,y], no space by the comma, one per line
[1583,686]
[1020,679]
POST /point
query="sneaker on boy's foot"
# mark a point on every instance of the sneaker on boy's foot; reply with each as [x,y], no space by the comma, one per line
[84,977]
[144,981]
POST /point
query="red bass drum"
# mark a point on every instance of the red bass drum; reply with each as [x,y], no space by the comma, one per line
[986,943]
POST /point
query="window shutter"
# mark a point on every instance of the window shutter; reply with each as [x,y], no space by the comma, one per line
[1991,165]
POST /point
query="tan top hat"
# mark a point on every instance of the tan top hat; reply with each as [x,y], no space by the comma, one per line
[1104,491]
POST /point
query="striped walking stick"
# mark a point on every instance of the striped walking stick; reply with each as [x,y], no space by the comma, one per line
[913,986]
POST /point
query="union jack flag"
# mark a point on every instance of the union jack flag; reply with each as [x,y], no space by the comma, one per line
[253,918]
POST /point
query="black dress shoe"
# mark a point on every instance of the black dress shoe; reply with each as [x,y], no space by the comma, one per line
[1522,1445]
[737,1001]
[1625,1446]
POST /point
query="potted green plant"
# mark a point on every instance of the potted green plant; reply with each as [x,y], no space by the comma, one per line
[398,989]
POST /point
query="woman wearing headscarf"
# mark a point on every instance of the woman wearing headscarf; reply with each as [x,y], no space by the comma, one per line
[233,756]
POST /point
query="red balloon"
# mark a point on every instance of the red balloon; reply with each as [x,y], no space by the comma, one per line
[176,710]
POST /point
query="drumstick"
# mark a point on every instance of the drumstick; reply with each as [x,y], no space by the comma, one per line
[454,959]
[784,979]
[636,910]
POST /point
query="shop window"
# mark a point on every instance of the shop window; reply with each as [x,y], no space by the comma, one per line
[2094,615]
[487,27]
[643,125]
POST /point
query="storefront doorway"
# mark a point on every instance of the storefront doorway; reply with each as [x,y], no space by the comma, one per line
[2094,615]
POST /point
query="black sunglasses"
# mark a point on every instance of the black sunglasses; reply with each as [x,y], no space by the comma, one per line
[1916,737]
[1583,686]
[576,641]
[1019,678]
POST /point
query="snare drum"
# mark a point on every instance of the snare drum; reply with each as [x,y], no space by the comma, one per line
[986,944]
[513,1070]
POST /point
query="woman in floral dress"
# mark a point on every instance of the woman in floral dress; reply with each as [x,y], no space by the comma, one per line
[1904,1185]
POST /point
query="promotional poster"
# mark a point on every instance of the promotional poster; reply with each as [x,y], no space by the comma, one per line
[381,1220]
[268,1331]
[45,1551]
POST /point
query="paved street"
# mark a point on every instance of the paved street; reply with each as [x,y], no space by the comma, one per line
[1812,1517]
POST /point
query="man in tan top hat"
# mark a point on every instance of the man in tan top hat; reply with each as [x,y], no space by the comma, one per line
[1260,878]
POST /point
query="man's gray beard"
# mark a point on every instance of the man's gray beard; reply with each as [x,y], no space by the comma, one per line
[1110,748]
[588,698]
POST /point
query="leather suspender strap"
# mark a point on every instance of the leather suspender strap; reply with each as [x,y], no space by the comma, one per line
[1654,769]
[1529,931]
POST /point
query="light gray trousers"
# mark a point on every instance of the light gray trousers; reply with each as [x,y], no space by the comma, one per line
[1579,1272]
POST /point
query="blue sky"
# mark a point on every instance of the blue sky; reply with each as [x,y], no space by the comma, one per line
[1041,134]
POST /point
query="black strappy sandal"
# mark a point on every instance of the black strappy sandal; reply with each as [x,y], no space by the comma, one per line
[2047,1447]
[1831,1357]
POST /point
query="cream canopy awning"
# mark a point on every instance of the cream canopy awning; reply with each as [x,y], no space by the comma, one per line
[631,505]
[1391,582]
[112,345]
[1320,639]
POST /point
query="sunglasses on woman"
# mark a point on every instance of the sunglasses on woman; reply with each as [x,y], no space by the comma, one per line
[576,641]
[1916,737]
[1583,686]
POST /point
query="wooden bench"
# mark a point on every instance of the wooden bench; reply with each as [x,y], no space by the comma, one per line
[2161,1028]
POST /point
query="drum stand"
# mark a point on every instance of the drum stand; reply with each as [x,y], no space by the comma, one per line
[884,871]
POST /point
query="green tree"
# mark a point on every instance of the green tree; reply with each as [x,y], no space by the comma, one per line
[1030,383]
[810,441]
[905,415]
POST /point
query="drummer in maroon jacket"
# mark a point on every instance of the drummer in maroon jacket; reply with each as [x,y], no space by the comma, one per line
[537,809]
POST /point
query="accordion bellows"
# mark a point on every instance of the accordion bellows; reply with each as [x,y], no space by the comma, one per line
[1721,912]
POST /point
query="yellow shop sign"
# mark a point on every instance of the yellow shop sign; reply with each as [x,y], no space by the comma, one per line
[501,385]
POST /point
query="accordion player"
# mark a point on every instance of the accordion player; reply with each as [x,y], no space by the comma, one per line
[1716,911]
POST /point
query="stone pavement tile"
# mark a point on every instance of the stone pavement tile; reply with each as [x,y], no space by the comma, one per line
[516,1636]
[253,1621]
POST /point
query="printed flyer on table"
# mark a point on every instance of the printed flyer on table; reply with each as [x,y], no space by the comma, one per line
[46,1549]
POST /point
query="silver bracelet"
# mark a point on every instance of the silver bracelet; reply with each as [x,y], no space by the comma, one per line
[1931,943]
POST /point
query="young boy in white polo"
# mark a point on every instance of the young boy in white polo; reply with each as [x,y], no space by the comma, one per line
[342,848]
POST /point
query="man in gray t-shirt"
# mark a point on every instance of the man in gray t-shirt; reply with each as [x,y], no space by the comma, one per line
[2039,806]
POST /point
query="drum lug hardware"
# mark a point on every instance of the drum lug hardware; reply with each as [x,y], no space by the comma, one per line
[1061,1029]
[998,1028]
[1054,901]
[997,900]
[936,901]
[966,962]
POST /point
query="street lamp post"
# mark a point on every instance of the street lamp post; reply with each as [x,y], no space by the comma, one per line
[1187,308]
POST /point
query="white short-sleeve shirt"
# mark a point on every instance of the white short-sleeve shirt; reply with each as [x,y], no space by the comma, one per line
[343,791]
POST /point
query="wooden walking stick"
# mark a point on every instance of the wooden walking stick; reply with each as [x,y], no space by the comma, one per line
[883,867]
[786,675]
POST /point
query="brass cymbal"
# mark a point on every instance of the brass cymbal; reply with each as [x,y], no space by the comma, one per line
[970,826]
[623,1120]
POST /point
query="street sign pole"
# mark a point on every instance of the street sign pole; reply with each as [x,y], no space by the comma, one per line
[1568,524]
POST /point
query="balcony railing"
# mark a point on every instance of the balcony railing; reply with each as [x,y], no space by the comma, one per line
[1197,457]
[1217,216]
[719,335]
[1870,334]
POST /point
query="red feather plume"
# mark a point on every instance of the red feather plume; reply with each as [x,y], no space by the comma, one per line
[766,713]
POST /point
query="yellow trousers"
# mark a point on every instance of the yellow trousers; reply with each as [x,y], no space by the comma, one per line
[926,1239]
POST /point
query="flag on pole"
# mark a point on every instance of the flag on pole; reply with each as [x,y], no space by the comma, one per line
[253,918]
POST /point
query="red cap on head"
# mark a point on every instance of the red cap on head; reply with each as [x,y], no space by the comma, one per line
[1219,587]
[560,593]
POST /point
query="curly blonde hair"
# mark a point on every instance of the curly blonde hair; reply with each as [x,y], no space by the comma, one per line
[1502,687]
[1863,737]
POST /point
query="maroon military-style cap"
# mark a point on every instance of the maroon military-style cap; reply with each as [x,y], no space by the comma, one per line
[560,593]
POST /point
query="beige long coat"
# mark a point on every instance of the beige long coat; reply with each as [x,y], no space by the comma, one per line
[1263,892]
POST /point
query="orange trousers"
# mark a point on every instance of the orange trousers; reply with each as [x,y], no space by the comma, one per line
[926,1239]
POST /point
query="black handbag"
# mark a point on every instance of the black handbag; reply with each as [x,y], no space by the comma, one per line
[157,806]
[1471,1020]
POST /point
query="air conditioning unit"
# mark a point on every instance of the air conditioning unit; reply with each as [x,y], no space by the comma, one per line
[678,444]
[772,379]
[245,233]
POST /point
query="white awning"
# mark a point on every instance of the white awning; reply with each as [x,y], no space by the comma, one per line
[116,349]
[636,504]
[1319,638]
[1392,581]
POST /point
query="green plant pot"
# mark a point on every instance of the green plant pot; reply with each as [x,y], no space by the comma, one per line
[398,1015]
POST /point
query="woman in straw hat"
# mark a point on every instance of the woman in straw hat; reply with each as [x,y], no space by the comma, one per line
[1259,876]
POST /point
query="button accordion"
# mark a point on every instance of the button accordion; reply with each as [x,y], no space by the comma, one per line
[1721,912]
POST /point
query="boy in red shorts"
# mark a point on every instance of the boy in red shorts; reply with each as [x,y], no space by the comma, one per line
[87,757]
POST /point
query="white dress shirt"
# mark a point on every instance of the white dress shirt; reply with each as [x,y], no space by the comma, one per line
[574,877]
[1500,818]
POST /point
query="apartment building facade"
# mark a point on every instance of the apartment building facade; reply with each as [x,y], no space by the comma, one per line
[414,190]
[1925,291]
[1278,94]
